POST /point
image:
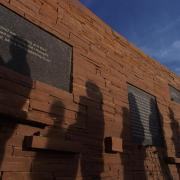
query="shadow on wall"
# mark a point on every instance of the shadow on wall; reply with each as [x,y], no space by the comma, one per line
[14,101]
[133,156]
[146,140]
[63,164]
[176,135]
[89,163]
[91,159]
[154,124]
[158,140]
[18,62]
[176,131]
[92,163]
[126,155]
[162,155]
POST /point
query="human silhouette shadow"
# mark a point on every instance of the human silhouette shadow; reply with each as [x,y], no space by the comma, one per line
[158,140]
[176,132]
[137,153]
[95,117]
[57,115]
[126,155]
[55,133]
[175,136]
[154,121]
[1,61]
[91,158]
[18,62]
[9,122]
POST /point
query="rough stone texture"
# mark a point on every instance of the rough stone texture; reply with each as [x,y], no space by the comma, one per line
[103,65]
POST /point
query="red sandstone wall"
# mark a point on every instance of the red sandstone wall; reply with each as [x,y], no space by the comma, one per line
[92,111]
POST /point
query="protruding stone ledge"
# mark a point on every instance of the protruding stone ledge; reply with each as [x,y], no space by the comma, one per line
[173,160]
[45,143]
[113,145]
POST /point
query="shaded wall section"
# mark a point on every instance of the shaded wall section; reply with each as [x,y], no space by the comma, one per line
[67,130]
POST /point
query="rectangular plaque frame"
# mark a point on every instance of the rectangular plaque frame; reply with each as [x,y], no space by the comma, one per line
[145,120]
[175,94]
[33,52]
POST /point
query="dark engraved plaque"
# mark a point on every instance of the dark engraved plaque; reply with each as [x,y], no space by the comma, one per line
[145,121]
[175,94]
[33,52]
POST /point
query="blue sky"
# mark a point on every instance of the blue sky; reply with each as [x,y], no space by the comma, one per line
[152,25]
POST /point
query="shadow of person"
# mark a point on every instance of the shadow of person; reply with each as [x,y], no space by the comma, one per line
[176,131]
[158,140]
[91,157]
[137,154]
[175,136]
[55,133]
[57,115]
[126,155]
[155,127]
[1,61]
[92,160]
[11,99]
[18,50]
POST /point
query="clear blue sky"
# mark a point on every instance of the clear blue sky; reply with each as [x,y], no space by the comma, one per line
[152,25]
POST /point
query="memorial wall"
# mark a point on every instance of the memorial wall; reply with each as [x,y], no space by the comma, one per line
[78,101]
